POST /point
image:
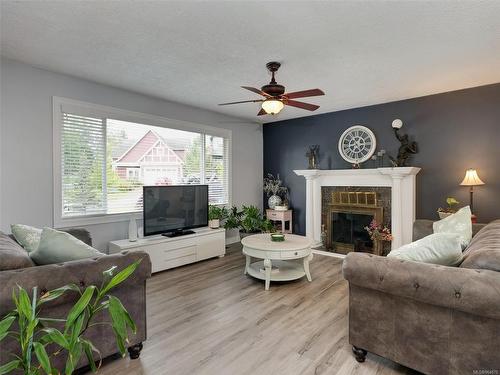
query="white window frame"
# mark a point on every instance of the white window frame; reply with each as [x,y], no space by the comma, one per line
[93,110]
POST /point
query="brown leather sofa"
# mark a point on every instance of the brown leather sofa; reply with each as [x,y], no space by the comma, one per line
[434,319]
[16,268]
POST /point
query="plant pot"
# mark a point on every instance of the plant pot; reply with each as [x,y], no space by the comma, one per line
[443,215]
[273,201]
[214,223]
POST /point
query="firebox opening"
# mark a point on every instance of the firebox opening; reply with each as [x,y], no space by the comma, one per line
[349,234]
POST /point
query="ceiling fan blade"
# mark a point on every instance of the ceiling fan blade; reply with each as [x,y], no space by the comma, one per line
[294,103]
[257,91]
[304,93]
[262,112]
[243,101]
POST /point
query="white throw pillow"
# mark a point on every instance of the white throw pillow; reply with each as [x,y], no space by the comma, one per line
[438,248]
[58,247]
[459,223]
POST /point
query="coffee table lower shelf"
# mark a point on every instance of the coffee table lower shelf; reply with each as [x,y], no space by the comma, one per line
[284,271]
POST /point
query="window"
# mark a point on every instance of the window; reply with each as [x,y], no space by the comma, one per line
[105,160]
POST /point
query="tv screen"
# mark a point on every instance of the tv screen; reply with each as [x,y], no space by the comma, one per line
[174,208]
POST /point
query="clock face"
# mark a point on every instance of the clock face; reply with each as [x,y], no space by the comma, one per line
[357,144]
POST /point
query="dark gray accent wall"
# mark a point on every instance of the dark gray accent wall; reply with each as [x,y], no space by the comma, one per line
[455,131]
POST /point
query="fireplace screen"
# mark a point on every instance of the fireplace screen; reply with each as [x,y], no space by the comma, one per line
[348,232]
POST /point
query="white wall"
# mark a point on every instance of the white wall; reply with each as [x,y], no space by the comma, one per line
[26,143]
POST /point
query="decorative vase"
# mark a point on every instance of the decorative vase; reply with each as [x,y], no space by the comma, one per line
[273,201]
[214,223]
[132,229]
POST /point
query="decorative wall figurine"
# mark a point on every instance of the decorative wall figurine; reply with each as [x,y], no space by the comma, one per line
[312,156]
[407,147]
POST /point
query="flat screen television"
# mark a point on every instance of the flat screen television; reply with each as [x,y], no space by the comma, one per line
[174,209]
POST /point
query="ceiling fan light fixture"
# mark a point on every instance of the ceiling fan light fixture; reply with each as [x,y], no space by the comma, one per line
[272,106]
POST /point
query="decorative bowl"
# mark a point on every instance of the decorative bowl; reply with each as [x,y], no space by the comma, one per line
[277,237]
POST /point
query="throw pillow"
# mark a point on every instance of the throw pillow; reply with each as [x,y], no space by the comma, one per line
[459,223]
[12,255]
[28,237]
[438,248]
[58,247]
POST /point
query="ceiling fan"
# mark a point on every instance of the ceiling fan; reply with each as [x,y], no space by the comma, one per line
[275,97]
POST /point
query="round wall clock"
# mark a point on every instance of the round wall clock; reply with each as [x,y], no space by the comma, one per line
[357,144]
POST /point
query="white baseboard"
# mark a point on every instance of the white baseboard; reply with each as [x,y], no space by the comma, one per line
[232,239]
[328,254]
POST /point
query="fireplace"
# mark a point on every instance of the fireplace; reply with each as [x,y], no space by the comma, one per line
[348,210]
[400,183]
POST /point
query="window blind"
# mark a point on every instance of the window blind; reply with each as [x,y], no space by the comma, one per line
[216,169]
[82,162]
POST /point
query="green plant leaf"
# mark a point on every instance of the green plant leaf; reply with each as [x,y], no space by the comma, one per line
[5,325]
[109,272]
[89,349]
[80,306]
[56,293]
[120,342]
[120,277]
[56,336]
[76,330]
[24,305]
[42,357]
[10,366]
[117,317]
[117,304]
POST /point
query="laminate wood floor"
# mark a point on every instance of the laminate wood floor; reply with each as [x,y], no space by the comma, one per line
[208,318]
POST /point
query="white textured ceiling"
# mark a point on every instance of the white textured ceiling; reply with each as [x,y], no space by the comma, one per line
[199,53]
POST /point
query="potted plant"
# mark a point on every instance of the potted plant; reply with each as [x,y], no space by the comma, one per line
[215,215]
[249,221]
[445,212]
[42,338]
[274,190]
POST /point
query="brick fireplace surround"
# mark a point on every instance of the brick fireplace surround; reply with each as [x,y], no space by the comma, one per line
[401,180]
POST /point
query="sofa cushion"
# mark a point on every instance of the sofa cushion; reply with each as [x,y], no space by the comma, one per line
[460,223]
[58,247]
[27,236]
[438,248]
[484,250]
[12,255]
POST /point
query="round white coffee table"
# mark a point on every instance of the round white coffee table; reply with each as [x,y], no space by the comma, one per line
[281,261]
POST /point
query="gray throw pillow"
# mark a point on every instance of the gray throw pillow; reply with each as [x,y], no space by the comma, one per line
[438,248]
[28,237]
[59,247]
[12,255]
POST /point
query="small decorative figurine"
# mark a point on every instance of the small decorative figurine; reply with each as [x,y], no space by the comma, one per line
[312,155]
[407,147]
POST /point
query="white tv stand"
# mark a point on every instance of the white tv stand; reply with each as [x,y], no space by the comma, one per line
[172,252]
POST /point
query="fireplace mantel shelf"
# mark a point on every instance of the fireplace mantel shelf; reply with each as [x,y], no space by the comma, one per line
[401,180]
[396,171]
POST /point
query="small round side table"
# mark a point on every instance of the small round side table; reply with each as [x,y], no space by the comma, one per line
[281,261]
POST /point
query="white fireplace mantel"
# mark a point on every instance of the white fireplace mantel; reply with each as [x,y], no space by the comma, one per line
[401,180]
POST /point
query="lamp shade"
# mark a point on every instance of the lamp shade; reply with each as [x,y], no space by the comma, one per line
[471,178]
[272,106]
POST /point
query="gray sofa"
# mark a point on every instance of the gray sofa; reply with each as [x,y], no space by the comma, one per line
[16,268]
[434,319]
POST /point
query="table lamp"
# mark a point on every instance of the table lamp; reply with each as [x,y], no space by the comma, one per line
[471,179]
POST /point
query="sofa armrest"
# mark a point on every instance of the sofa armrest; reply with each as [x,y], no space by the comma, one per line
[82,272]
[469,290]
